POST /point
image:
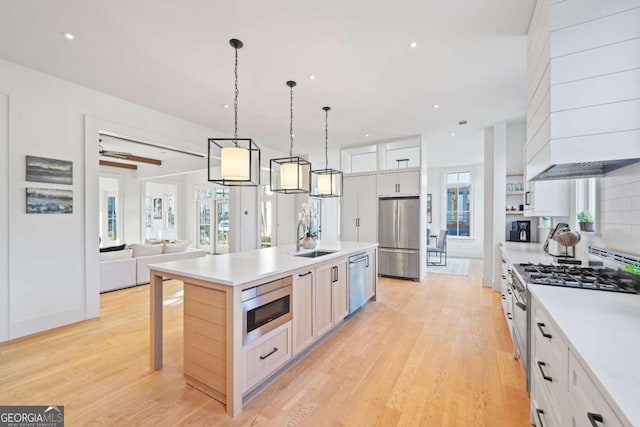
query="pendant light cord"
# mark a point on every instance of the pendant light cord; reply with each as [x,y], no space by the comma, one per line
[326,138]
[235,101]
[291,121]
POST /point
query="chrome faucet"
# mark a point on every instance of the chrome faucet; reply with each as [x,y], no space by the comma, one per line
[298,235]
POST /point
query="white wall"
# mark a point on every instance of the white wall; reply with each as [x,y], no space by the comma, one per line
[53,268]
[4,217]
[619,221]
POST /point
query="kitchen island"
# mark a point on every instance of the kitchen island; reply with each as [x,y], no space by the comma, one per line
[222,357]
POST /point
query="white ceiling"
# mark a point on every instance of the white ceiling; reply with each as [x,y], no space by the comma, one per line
[174,56]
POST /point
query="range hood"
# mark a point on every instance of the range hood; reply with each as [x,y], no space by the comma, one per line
[582,169]
[583,156]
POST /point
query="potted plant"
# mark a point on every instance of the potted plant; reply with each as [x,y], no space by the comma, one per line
[585,218]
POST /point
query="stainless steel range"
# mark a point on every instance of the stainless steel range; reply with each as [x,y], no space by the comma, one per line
[602,279]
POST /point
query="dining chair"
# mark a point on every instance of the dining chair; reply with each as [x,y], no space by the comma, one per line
[440,248]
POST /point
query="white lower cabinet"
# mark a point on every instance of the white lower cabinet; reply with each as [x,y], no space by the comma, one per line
[332,304]
[370,284]
[339,295]
[303,310]
[589,406]
[562,391]
[267,354]
[323,308]
[320,302]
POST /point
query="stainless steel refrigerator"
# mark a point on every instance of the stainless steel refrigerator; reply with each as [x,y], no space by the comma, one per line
[399,237]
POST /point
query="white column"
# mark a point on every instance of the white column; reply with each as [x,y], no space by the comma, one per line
[4,217]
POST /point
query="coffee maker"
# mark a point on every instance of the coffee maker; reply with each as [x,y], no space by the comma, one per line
[520,231]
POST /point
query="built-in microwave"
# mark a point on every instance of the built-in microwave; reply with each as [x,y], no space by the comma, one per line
[265,307]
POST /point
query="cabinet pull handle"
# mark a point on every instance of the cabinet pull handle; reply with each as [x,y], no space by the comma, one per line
[269,354]
[334,274]
[504,297]
[509,316]
[504,262]
[545,376]
[544,334]
[595,418]
[504,277]
[509,290]
[538,413]
[521,306]
[367,262]
[304,274]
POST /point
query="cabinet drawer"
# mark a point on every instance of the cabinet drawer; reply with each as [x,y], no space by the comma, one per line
[543,414]
[587,401]
[267,355]
[549,360]
[548,343]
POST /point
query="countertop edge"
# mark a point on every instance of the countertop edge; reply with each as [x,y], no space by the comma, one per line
[166,267]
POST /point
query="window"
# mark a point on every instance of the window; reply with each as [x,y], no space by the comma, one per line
[112,218]
[458,203]
[586,190]
[266,218]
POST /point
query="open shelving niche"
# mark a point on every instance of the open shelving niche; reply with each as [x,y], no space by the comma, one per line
[513,198]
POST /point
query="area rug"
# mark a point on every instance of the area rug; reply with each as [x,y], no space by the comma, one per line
[454,267]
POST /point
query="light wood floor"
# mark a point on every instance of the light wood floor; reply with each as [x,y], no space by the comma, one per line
[435,353]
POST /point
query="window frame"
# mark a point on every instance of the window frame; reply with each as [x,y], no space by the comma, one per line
[445,187]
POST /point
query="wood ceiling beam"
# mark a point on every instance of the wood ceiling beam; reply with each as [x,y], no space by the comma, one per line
[132,158]
[118,164]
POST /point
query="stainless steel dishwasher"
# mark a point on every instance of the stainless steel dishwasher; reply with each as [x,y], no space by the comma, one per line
[357,281]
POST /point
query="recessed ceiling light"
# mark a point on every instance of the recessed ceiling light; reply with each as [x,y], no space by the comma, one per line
[413,44]
[453,134]
[366,134]
[312,77]
[226,105]
[68,36]
[436,106]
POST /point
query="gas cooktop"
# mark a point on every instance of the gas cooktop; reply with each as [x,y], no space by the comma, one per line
[603,279]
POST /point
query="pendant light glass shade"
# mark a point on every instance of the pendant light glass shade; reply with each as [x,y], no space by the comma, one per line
[326,182]
[291,174]
[234,161]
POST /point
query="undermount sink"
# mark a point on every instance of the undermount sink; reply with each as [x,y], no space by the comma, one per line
[315,254]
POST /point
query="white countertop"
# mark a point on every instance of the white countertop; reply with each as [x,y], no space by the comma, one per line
[239,268]
[604,330]
[518,253]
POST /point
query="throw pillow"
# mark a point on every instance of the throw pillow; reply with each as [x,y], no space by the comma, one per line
[140,250]
[179,246]
[113,248]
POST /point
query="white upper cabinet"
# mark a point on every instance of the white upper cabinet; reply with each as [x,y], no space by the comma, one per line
[359,209]
[401,183]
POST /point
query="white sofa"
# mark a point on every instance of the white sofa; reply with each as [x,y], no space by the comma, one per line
[117,270]
[142,268]
[130,267]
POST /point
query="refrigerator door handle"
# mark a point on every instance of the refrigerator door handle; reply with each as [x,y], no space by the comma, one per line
[399,251]
[396,233]
[399,224]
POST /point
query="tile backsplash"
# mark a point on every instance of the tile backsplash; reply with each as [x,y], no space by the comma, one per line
[620,210]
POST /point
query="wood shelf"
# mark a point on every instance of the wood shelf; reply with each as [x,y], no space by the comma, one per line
[513,173]
[515,193]
[514,212]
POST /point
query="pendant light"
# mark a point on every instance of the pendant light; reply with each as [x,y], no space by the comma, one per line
[326,182]
[234,161]
[291,174]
